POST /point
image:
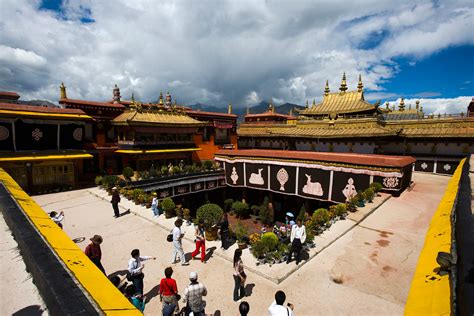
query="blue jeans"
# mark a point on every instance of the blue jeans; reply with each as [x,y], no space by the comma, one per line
[138,283]
[154,208]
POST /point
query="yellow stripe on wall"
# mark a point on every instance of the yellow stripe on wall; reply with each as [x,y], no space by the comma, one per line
[430,293]
[102,291]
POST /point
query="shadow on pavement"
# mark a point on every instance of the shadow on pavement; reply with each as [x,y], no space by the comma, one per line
[210,252]
[32,310]
[249,289]
[152,293]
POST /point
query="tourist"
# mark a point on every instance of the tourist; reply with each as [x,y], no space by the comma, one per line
[200,240]
[297,239]
[154,205]
[244,308]
[135,269]
[121,285]
[169,291]
[224,231]
[57,218]
[277,308]
[177,244]
[193,295]
[115,201]
[239,275]
[94,252]
[135,298]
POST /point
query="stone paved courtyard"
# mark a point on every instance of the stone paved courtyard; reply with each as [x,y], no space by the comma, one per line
[372,263]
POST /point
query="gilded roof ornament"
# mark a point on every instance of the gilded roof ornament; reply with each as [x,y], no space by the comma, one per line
[417,104]
[271,107]
[386,105]
[314,102]
[401,107]
[62,90]
[326,89]
[360,86]
[343,87]
[161,98]
[307,104]
[132,101]
[229,108]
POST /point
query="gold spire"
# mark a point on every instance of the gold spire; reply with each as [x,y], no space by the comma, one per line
[307,104]
[161,98]
[132,101]
[229,108]
[401,107]
[314,102]
[291,112]
[417,104]
[343,87]
[386,105]
[360,86]
[326,90]
[271,108]
[62,89]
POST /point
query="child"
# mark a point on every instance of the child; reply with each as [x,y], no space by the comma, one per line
[57,218]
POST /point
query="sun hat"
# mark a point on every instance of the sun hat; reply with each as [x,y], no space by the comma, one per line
[114,188]
[96,239]
[289,214]
[154,194]
[193,276]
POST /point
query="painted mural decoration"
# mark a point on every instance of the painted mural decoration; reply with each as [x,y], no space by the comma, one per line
[282,177]
[37,134]
[256,178]
[4,133]
[390,182]
[350,189]
[77,134]
[447,167]
[312,188]
[234,176]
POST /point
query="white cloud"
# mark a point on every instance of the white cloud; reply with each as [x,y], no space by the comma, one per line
[438,105]
[218,52]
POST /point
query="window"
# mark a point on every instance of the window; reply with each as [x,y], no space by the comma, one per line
[222,135]
[206,134]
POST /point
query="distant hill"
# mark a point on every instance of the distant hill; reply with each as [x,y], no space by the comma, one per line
[43,103]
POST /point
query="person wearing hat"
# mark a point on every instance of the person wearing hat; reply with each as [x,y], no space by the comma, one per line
[154,205]
[115,201]
[94,252]
[193,295]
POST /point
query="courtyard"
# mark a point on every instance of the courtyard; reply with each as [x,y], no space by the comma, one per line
[367,269]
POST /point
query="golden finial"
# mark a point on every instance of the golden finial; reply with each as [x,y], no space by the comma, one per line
[307,104]
[421,109]
[229,108]
[326,89]
[360,86]
[62,89]
[386,105]
[343,87]
[417,104]
[401,107]
[132,101]
[271,108]
[314,102]
[161,98]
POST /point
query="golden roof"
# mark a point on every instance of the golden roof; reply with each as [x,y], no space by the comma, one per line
[340,102]
[148,117]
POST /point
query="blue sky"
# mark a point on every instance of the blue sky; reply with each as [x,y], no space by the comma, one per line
[238,51]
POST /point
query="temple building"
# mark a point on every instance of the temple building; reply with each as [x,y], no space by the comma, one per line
[42,148]
[345,122]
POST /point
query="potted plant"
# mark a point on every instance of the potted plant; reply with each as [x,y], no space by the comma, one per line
[341,210]
[164,170]
[360,199]
[211,214]
[130,194]
[98,181]
[179,211]
[240,209]
[168,207]
[207,165]
[136,195]
[241,233]
[228,204]
[320,217]
[149,199]
[376,186]
[128,173]
[369,195]
[352,203]
[187,215]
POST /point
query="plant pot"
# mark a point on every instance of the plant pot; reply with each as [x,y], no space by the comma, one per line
[168,214]
[148,205]
[137,202]
[211,234]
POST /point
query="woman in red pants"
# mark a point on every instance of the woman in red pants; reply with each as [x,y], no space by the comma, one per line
[200,241]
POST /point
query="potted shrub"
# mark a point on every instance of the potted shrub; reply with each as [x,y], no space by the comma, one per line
[207,165]
[176,170]
[98,181]
[341,210]
[179,211]
[376,186]
[149,199]
[369,195]
[128,173]
[164,170]
[142,198]
[240,209]
[129,194]
[228,204]
[360,199]
[136,195]
[211,214]
[241,233]
[258,250]
[352,203]
[168,207]
[320,217]
[187,214]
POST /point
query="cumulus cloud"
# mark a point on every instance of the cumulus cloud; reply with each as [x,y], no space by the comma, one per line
[218,52]
[438,105]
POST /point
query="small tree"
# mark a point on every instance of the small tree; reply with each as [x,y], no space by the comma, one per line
[320,216]
[376,186]
[369,194]
[240,232]
[210,213]
[98,180]
[270,241]
[264,213]
[164,170]
[168,206]
[240,209]
[127,172]
[302,214]
[228,204]
[207,164]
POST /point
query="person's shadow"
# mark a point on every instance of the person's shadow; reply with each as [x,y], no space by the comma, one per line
[32,310]
[155,291]
[249,289]
[117,273]
[210,252]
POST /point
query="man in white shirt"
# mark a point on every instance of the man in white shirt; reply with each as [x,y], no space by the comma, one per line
[135,269]
[297,239]
[177,245]
[278,309]
[193,295]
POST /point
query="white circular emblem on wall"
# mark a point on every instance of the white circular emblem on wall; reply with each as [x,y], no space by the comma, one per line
[447,167]
[390,182]
[77,134]
[4,133]
[424,166]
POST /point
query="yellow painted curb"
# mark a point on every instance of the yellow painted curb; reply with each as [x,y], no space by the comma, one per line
[430,293]
[99,288]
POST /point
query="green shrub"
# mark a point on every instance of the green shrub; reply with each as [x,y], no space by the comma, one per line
[136,193]
[240,209]
[255,209]
[152,171]
[228,204]
[302,214]
[264,214]
[109,181]
[176,170]
[98,180]
[240,232]
[376,186]
[210,213]
[207,164]
[369,194]
[258,249]
[270,241]
[340,209]
[320,216]
[127,172]
[168,207]
[164,170]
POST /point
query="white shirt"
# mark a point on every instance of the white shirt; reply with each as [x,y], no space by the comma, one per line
[154,202]
[135,265]
[279,310]
[176,233]
[298,232]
